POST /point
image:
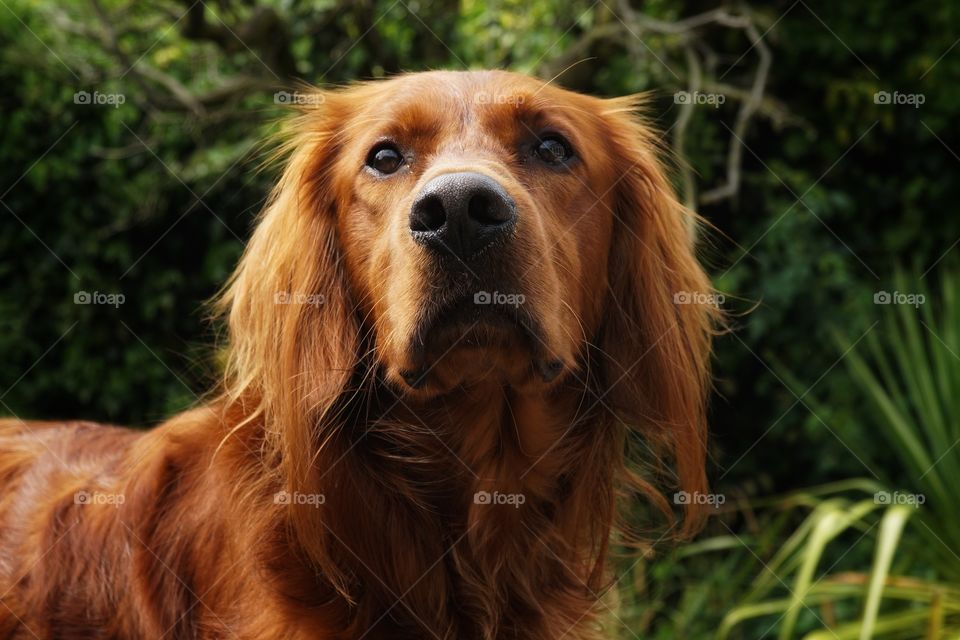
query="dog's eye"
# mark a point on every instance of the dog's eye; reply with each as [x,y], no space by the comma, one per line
[385,158]
[553,150]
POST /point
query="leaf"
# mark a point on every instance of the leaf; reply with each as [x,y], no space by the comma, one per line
[891,527]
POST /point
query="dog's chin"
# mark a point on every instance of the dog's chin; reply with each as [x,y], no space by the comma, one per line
[467,346]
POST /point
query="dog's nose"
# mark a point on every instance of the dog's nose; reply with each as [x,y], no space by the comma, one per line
[461,214]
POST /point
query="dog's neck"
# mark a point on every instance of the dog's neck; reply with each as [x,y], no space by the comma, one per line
[497,506]
[496,433]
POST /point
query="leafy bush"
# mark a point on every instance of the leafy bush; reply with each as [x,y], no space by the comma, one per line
[908,374]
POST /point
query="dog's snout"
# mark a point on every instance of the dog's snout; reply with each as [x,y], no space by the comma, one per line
[461,214]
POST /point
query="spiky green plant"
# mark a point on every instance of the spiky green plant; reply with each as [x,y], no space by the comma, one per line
[909,371]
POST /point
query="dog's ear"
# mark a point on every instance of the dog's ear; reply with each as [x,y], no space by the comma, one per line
[660,317]
[293,336]
[294,331]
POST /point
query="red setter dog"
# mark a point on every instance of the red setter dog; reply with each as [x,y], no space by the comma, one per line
[460,312]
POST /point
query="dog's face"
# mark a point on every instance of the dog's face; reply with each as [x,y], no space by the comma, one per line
[475,216]
[464,229]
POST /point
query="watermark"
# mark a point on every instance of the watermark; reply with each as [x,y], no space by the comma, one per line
[99,99]
[309,499]
[899,497]
[286,297]
[496,297]
[699,297]
[484,97]
[698,97]
[296,97]
[96,497]
[898,297]
[896,98]
[96,297]
[495,497]
[685,497]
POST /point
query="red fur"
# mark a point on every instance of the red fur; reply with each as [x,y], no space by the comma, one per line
[183,534]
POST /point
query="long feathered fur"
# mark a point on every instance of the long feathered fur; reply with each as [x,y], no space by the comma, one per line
[312,498]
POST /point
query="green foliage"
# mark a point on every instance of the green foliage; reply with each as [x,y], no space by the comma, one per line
[911,375]
[866,206]
[804,589]
[153,199]
[907,370]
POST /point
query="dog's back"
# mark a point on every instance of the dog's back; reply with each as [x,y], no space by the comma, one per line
[50,472]
[107,532]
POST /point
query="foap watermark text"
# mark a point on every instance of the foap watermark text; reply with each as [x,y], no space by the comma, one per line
[287,297]
[99,99]
[295,497]
[713,499]
[499,298]
[897,98]
[697,97]
[99,298]
[485,97]
[497,498]
[899,497]
[298,98]
[698,297]
[98,498]
[899,297]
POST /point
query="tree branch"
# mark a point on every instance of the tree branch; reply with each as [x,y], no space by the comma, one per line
[685,35]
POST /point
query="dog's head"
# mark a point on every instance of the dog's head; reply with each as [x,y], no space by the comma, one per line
[479,227]
[449,229]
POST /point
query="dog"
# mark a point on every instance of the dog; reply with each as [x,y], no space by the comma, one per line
[466,342]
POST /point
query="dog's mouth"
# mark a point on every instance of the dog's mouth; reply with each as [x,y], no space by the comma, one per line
[478,331]
[479,322]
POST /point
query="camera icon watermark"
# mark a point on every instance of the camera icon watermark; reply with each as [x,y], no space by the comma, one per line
[896,98]
[898,297]
[99,99]
[716,500]
[96,297]
[298,98]
[498,298]
[699,98]
[890,498]
[514,500]
[307,499]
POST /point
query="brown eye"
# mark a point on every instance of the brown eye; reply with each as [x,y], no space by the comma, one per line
[385,158]
[554,150]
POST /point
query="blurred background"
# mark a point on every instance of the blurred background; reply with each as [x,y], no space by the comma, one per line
[819,139]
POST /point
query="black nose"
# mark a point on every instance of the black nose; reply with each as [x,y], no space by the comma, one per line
[461,214]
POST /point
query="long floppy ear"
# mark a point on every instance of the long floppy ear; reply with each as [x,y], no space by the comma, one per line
[293,336]
[659,324]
